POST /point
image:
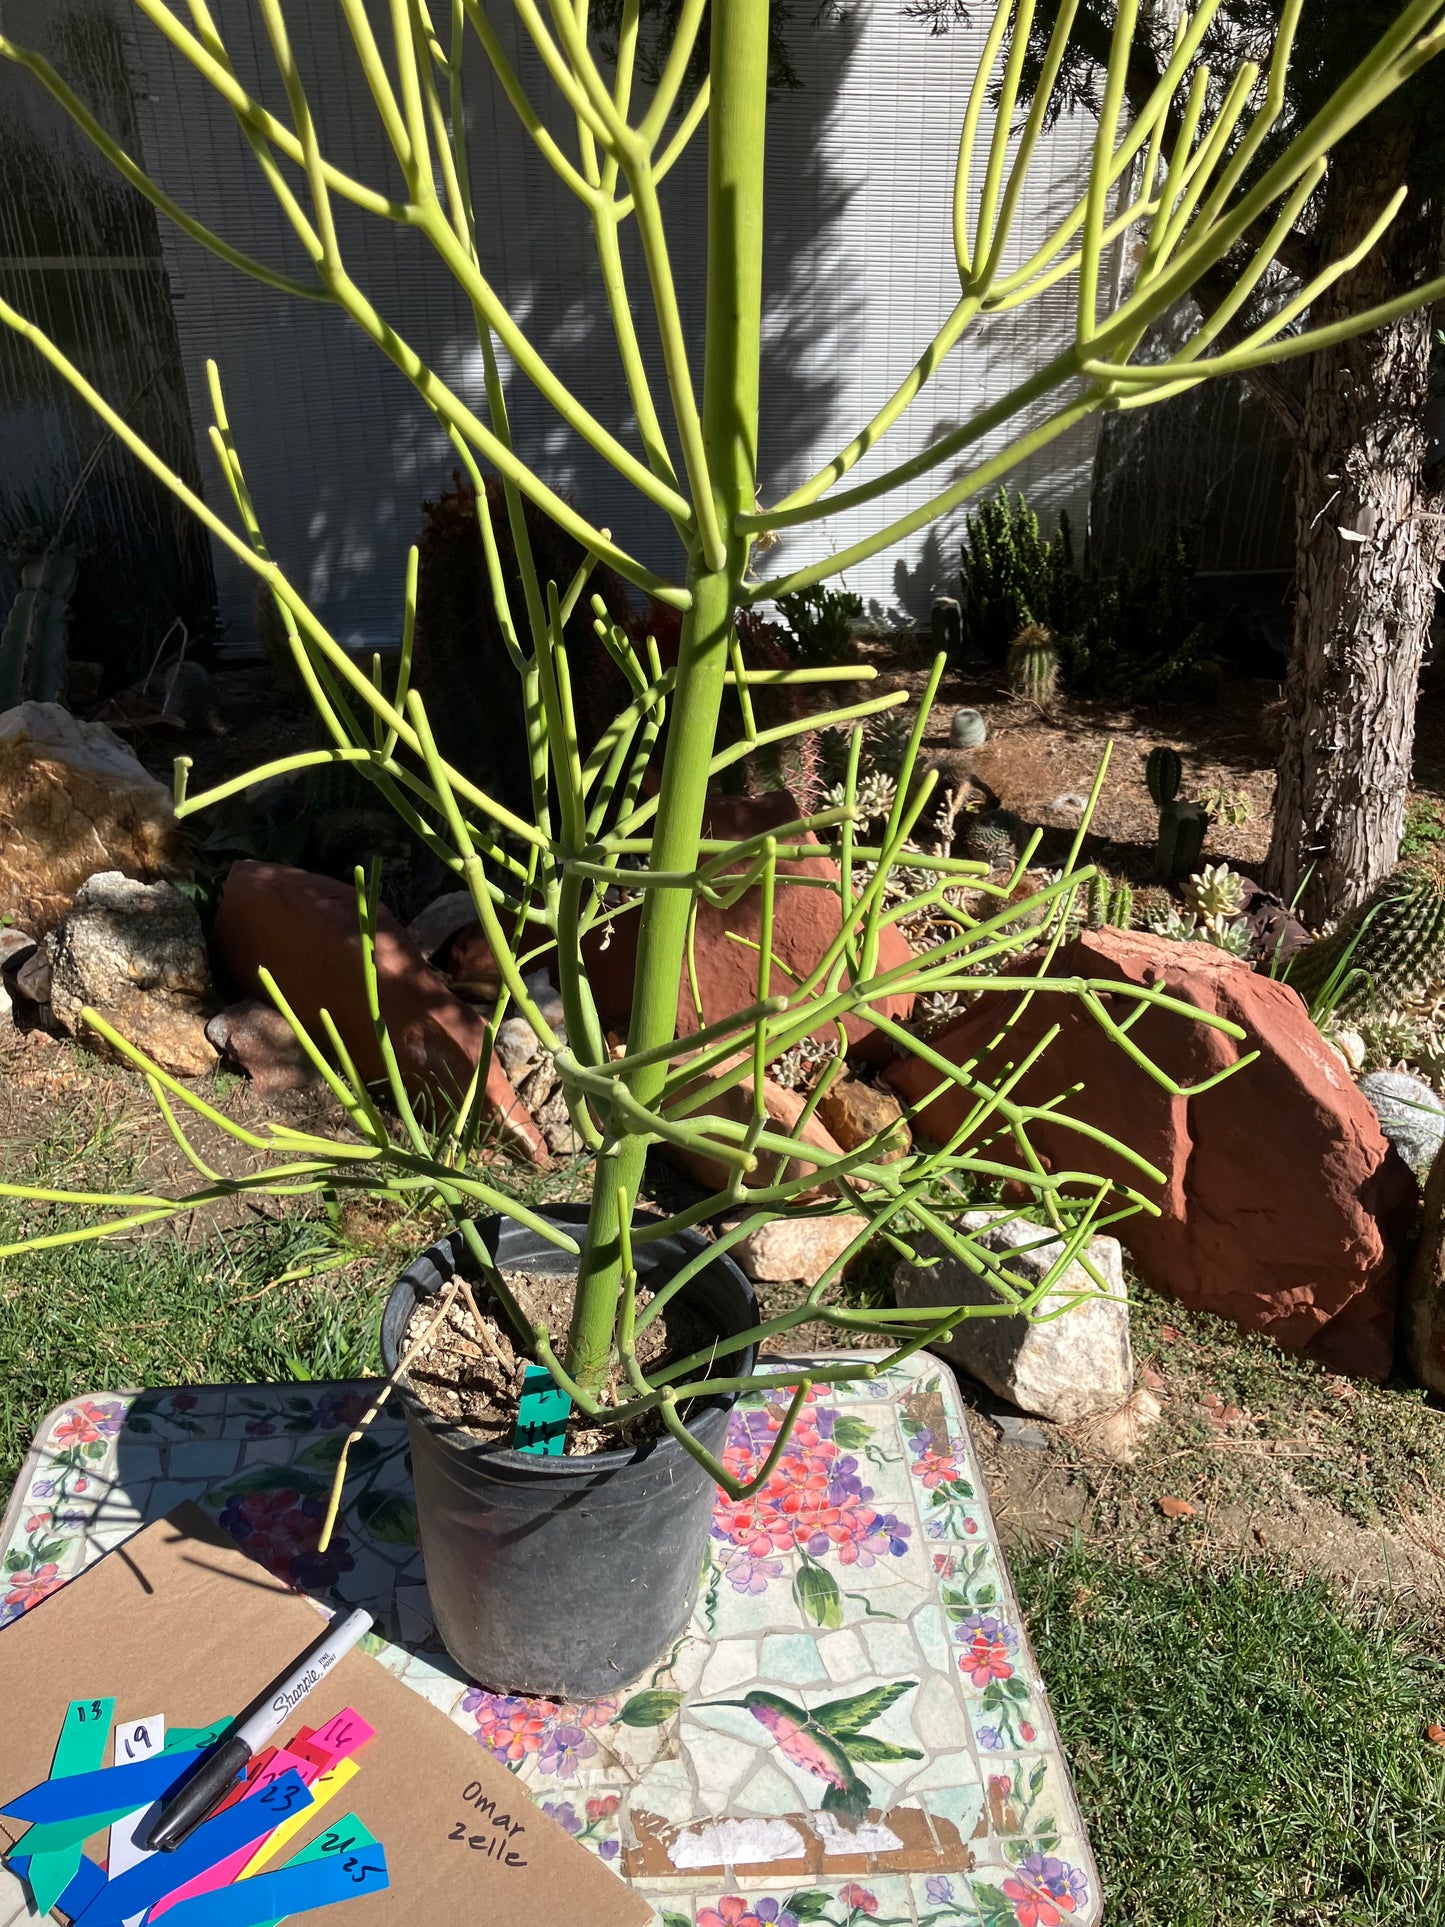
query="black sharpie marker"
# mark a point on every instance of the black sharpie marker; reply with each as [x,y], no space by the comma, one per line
[218,1772]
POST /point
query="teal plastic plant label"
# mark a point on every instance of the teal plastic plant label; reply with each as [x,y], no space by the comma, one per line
[542,1414]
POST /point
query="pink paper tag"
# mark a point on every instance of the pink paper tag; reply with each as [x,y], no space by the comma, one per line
[225,1871]
[341,1736]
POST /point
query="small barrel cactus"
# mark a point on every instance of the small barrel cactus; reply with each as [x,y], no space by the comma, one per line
[1182,828]
[994,837]
[886,740]
[1033,666]
[1164,772]
[946,627]
[1389,950]
[967,730]
[1152,903]
[1411,1114]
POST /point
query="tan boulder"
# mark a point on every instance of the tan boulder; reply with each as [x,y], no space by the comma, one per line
[797,1248]
[856,1111]
[74,801]
[1283,1207]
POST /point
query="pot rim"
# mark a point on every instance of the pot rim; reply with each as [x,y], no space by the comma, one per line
[443,1258]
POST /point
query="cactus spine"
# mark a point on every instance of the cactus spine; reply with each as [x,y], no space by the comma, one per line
[1033,666]
[1388,951]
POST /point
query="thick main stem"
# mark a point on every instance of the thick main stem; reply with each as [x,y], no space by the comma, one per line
[739,59]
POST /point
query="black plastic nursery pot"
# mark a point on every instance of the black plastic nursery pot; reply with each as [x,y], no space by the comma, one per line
[564,1577]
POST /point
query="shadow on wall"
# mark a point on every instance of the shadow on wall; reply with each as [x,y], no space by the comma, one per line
[80,254]
[338,449]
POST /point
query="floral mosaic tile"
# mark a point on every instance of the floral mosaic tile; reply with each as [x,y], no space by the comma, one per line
[851,1731]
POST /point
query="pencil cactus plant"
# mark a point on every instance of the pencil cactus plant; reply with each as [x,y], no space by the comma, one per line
[594,845]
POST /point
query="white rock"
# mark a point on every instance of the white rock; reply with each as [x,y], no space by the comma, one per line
[1065,1369]
[518,1047]
[134,952]
[800,1248]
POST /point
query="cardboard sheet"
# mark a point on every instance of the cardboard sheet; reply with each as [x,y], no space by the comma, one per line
[178,1617]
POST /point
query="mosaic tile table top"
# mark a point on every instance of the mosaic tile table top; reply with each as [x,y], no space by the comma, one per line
[852,1731]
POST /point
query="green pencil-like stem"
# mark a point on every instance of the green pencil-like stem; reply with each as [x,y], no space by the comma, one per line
[729,434]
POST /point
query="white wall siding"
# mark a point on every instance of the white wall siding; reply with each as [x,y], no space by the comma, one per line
[340,452]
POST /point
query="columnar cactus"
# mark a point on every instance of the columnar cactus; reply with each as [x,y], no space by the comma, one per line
[1388,951]
[1033,666]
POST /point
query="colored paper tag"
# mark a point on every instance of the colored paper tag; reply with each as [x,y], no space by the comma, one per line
[50,1836]
[187,1739]
[542,1414]
[225,1871]
[289,1890]
[81,1891]
[214,1841]
[342,1734]
[136,1740]
[331,1782]
[102,1790]
[80,1748]
[250,1780]
[344,1838]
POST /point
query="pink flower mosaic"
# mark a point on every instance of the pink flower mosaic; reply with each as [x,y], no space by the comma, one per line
[814,1502]
[558,1737]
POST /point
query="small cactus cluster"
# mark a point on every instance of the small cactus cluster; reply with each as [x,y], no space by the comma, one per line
[1212,912]
[994,837]
[1383,955]
[1108,904]
[1182,826]
[1033,666]
[885,741]
[873,798]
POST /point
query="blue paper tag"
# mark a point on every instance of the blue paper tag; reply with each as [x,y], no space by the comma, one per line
[106,1790]
[210,1844]
[542,1415]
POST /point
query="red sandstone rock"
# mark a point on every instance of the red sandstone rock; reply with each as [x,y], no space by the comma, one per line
[805,922]
[784,1108]
[303,929]
[1283,1206]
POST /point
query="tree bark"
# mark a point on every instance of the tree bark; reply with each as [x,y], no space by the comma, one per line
[1366,549]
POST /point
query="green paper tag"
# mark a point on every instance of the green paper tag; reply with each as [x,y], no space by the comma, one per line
[84,1736]
[343,1838]
[542,1415]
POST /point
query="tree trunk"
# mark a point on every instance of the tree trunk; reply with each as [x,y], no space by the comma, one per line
[1366,549]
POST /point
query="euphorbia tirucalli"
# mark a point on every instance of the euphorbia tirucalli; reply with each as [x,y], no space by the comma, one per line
[594,846]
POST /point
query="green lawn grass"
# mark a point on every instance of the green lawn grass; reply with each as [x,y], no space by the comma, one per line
[1249,1748]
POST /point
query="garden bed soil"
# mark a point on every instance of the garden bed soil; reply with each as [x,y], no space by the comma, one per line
[471,1376]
